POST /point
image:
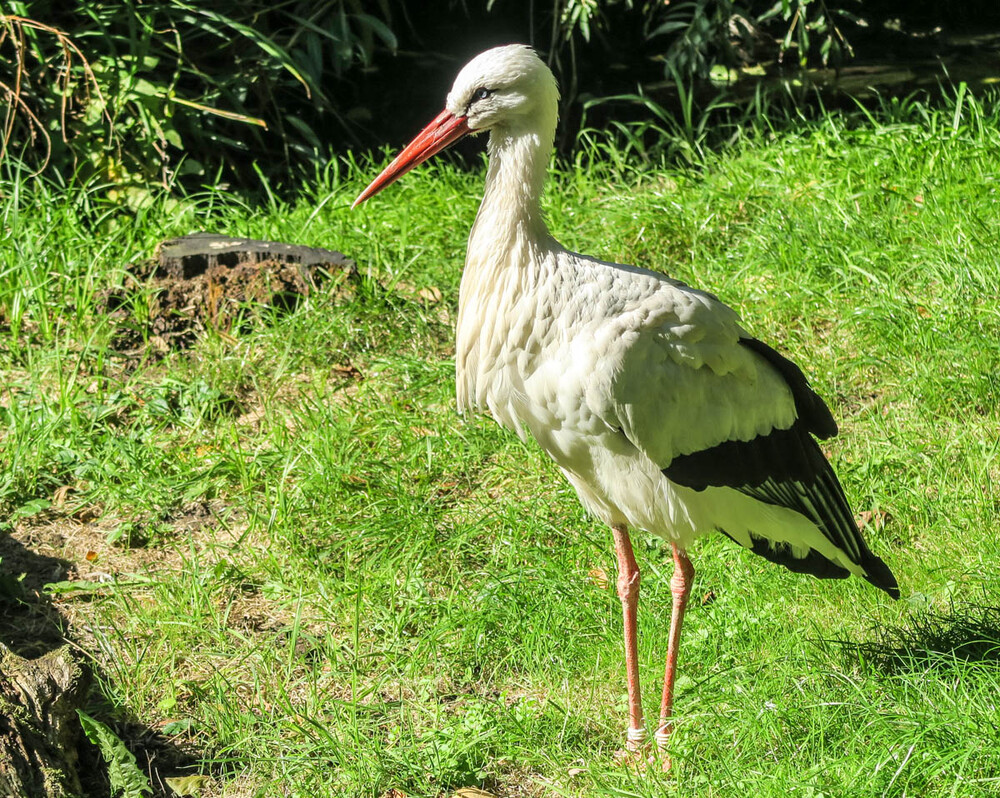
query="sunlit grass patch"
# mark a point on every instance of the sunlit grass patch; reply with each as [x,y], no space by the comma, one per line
[294,558]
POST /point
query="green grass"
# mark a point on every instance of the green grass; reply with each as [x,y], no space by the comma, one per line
[307,570]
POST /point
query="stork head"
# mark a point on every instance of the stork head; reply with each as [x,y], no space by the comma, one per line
[501,87]
[507,87]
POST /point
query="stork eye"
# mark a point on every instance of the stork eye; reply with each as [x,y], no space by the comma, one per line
[481,94]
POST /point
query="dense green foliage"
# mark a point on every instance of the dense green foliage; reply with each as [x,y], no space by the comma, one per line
[138,91]
[144,91]
[292,557]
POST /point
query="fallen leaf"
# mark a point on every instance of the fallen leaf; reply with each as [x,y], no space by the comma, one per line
[876,519]
[599,577]
[59,495]
[431,294]
[708,598]
[472,792]
[87,513]
[91,556]
[188,785]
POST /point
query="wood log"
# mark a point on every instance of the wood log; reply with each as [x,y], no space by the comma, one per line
[39,727]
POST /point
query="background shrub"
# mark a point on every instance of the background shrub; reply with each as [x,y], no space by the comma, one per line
[144,91]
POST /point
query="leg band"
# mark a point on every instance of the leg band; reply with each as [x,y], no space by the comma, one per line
[636,737]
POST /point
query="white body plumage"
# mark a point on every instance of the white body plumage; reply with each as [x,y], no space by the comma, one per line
[614,370]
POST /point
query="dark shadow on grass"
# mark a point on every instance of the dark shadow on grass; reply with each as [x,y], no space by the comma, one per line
[32,625]
[969,633]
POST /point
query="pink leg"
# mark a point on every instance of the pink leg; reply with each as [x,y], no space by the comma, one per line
[628,592]
[680,586]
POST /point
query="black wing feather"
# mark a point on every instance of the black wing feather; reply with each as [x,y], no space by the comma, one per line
[813,563]
[786,467]
[811,409]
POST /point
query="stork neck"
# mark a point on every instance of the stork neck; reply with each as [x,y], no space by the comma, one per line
[511,210]
[504,258]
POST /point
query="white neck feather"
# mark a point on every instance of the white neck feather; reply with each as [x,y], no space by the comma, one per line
[511,206]
[507,249]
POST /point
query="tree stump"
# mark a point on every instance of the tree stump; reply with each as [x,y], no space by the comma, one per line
[39,727]
[210,281]
[195,254]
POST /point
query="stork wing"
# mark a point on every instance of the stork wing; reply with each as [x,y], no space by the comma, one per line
[714,407]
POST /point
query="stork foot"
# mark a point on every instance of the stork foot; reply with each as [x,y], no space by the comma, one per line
[638,752]
[648,758]
[662,739]
[640,759]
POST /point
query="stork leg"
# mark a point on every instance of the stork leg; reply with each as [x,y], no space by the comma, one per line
[680,586]
[628,592]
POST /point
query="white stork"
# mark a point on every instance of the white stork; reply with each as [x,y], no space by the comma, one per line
[660,409]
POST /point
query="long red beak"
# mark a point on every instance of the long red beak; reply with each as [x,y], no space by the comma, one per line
[446,129]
